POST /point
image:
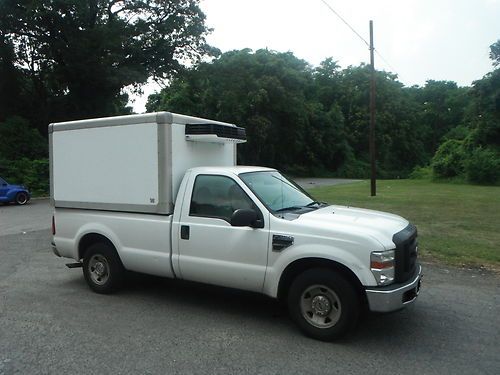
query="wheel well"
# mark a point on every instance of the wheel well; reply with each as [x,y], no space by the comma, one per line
[90,239]
[297,267]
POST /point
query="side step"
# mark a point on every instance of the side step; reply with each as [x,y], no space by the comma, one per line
[74,265]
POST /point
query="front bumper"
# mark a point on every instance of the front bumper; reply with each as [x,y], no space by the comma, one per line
[394,297]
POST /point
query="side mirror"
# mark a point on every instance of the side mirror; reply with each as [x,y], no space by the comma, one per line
[245,217]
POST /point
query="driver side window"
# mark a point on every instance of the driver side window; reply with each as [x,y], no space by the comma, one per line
[218,197]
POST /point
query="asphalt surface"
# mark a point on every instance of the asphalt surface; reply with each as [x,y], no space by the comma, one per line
[308,183]
[50,323]
[35,215]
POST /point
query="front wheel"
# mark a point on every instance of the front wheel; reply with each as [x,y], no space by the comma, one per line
[21,198]
[323,304]
[103,269]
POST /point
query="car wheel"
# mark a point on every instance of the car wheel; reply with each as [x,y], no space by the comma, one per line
[103,269]
[21,198]
[323,304]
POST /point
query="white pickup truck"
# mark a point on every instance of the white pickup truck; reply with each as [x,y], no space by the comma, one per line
[160,194]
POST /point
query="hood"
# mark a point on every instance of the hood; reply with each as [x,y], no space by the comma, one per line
[381,226]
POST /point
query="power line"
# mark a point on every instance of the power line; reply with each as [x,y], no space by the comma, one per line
[347,23]
[384,60]
[360,37]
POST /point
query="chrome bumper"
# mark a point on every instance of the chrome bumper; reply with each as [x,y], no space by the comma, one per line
[54,249]
[394,297]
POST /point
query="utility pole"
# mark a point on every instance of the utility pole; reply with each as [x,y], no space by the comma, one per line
[373,174]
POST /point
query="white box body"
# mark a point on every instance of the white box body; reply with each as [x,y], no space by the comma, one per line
[130,163]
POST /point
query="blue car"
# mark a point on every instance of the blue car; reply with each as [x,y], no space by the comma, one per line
[13,193]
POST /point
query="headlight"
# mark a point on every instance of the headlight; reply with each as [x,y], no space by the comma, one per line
[382,266]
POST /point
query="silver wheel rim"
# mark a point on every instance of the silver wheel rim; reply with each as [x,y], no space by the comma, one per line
[98,269]
[22,198]
[320,306]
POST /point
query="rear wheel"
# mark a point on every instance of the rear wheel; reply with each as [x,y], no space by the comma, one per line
[21,198]
[103,269]
[323,304]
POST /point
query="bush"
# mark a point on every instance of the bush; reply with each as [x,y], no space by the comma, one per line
[449,160]
[353,168]
[483,166]
[34,174]
[421,173]
[18,140]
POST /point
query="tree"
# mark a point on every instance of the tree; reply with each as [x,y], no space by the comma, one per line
[495,53]
[10,90]
[18,139]
[79,54]
[441,108]
[300,119]
[473,149]
[271,94]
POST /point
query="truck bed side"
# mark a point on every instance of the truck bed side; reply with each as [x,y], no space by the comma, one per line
[141,240]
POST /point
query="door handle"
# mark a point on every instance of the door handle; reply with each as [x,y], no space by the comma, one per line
[185,232]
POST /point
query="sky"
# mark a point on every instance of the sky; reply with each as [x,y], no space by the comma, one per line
[418,40]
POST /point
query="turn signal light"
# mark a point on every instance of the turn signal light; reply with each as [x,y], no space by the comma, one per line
[382,266]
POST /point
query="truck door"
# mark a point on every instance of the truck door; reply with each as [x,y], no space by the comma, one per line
[210,249]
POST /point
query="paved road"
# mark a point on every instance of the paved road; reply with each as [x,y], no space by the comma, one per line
[35,215]
[308,183]
[50,322]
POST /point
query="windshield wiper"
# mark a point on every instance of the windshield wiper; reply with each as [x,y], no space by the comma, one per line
[309,205]
[289,208]
[313,203]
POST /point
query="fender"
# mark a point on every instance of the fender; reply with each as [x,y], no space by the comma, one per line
[11,194]
[292,254]
[96,228]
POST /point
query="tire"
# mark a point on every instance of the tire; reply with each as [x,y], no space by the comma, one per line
[323,304]
[103,269]
[21,198]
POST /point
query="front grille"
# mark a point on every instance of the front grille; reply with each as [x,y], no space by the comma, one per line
[406,253]
[221,131]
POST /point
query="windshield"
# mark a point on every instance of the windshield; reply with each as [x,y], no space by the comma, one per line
[275,191]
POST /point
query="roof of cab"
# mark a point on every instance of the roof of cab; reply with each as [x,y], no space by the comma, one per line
[238,169]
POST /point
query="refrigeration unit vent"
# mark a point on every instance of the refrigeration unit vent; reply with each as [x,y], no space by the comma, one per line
[215,133]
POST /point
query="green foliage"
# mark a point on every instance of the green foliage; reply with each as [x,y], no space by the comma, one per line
[440,107]
[472,151]
[483,166]
[449,159]
[421,173]
[34,174]
[72,59]
[18,139]
[303,119]
[495,53]
[271,95]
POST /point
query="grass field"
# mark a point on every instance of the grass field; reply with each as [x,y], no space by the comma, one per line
[457,224]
